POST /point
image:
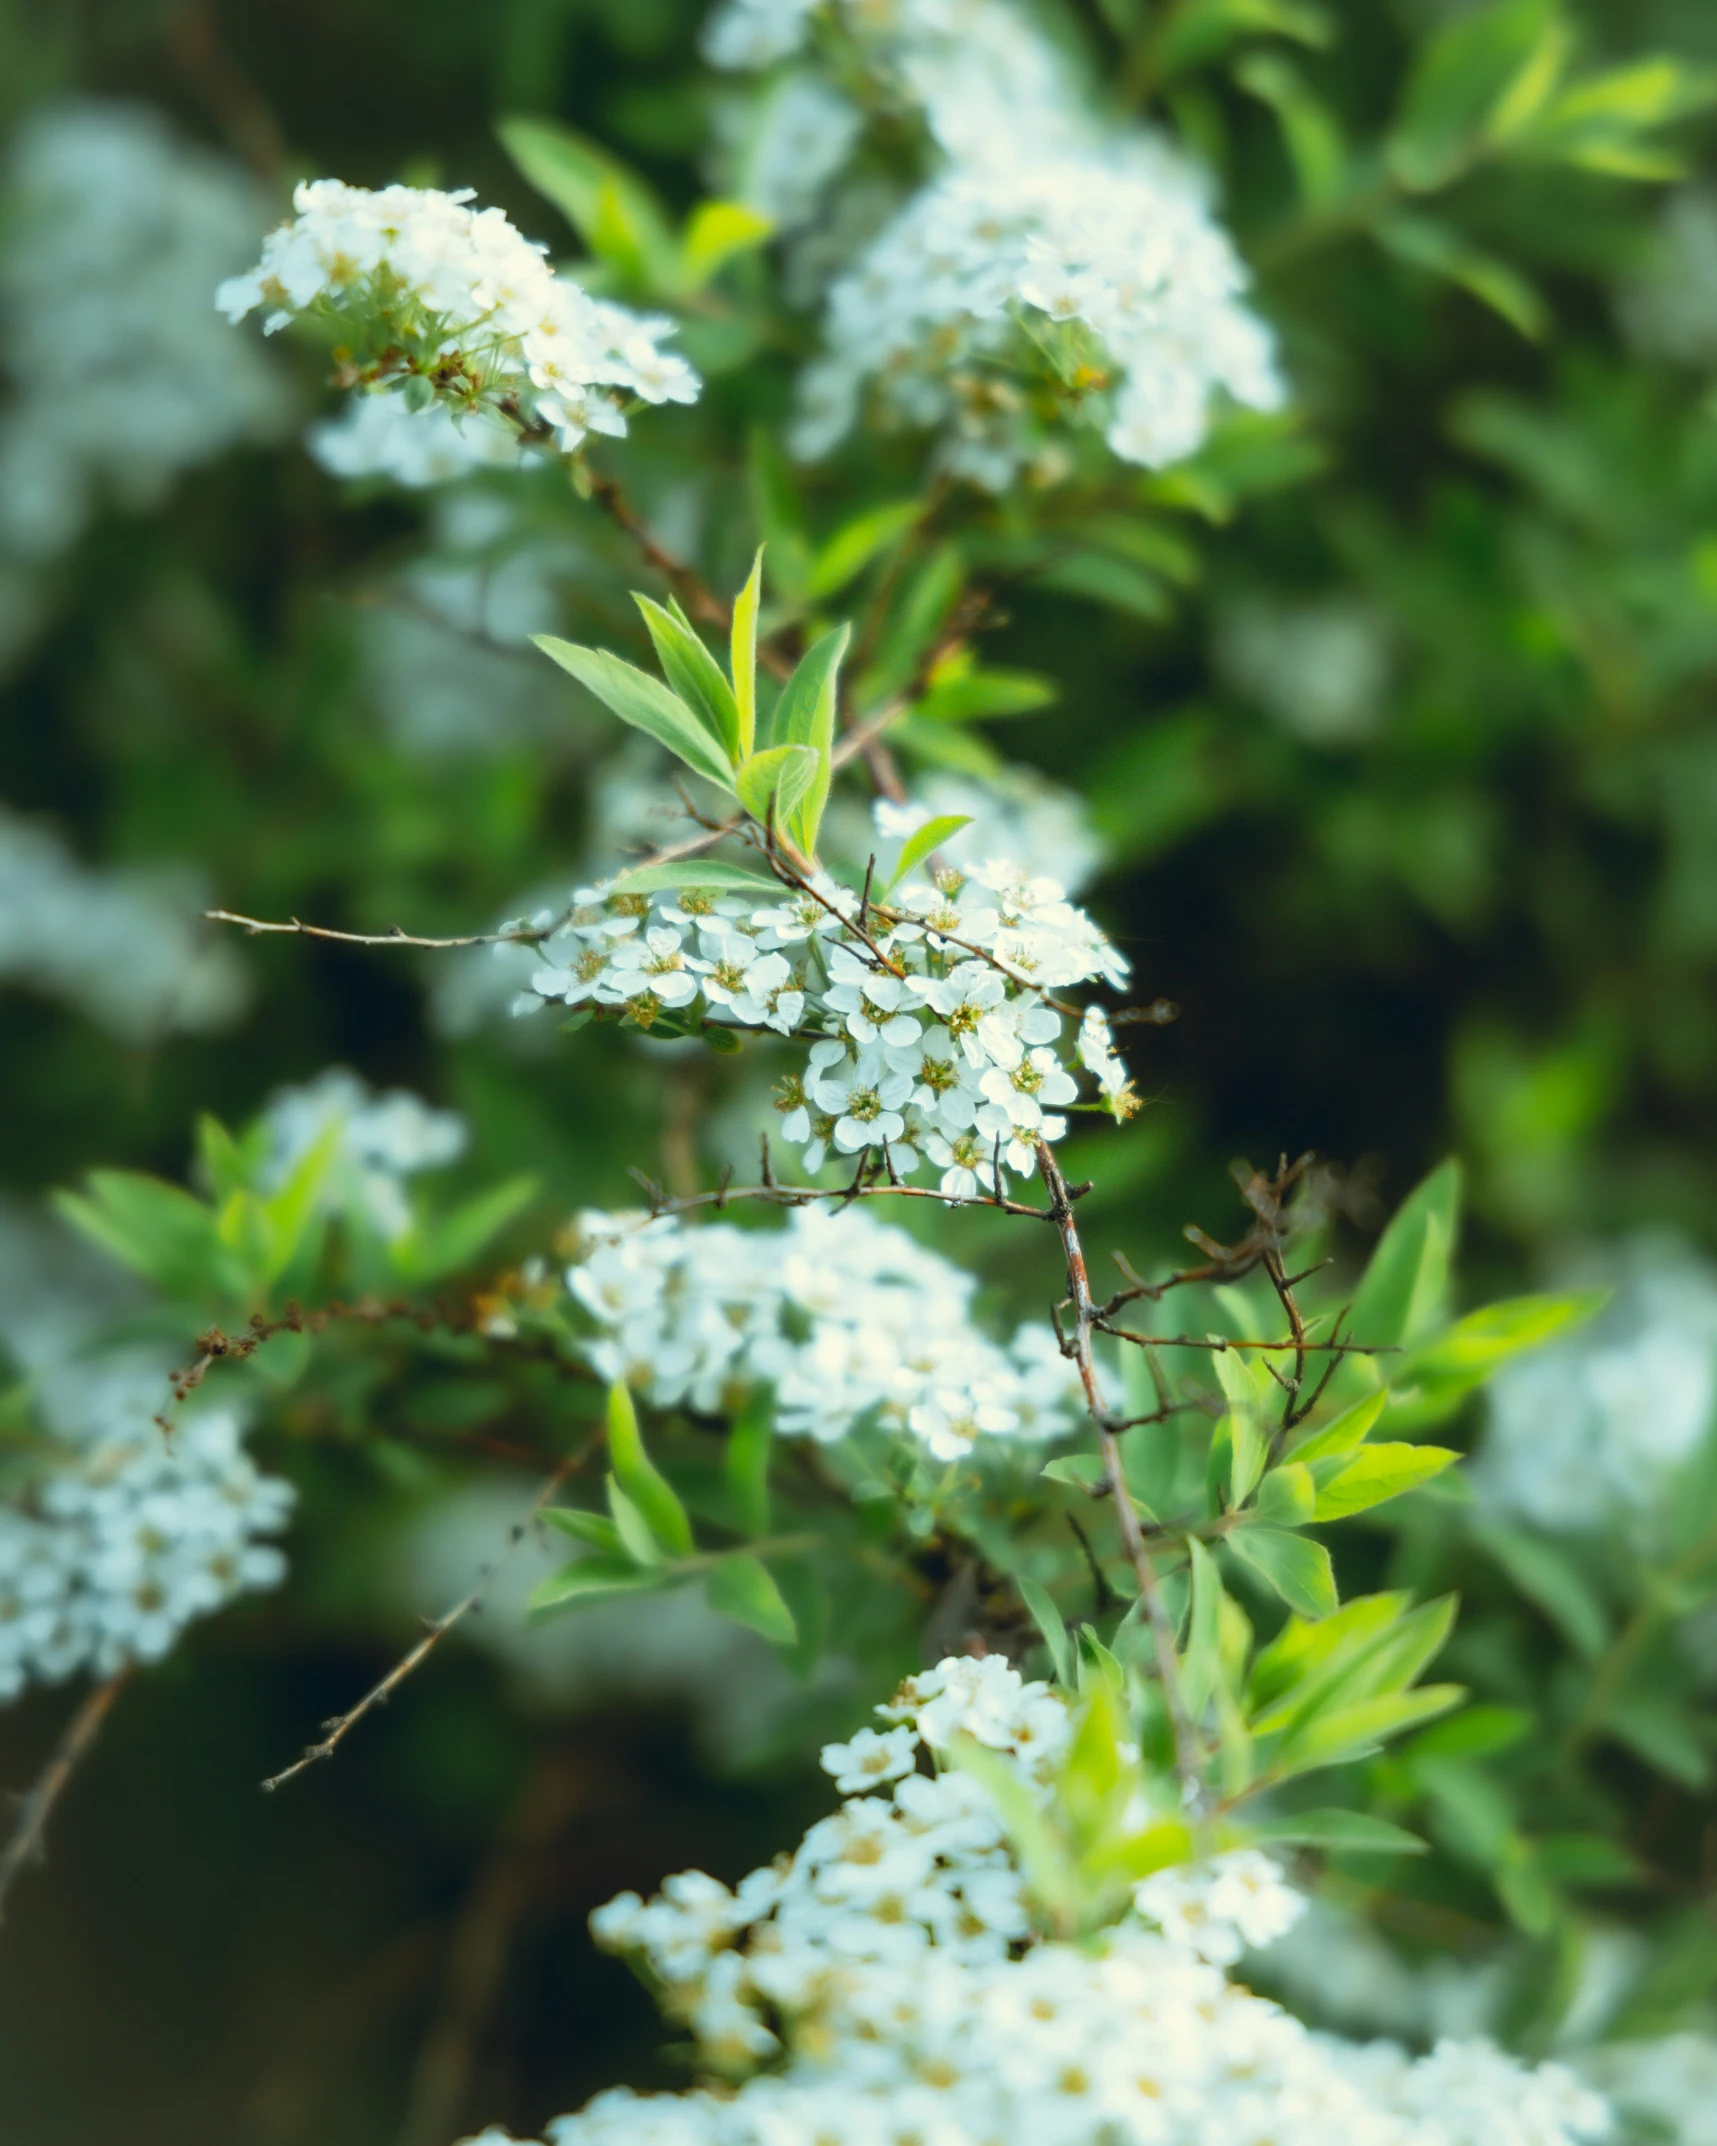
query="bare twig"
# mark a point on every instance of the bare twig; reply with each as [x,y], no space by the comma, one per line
[37,1807]
[777,1195]
[1077,1347]
[379,1694]
[293,927]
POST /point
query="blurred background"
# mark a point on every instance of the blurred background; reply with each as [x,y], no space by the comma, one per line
[1399,777]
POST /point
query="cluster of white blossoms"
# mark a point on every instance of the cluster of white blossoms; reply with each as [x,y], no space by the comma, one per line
[114,234]
[843,1317]
[382,1140]
[1589,1432]
[1052,270]
[890,1974]
[126,948]
[122,1539]
[1094,282]
[456,311]
[932,1036]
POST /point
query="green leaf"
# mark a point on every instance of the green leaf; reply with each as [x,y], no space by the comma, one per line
[1408,1275]
[156,1229]
[805,715]
[1050,1624]
[741,1588]
[1244,1385]
[1350,1429]
[1481,1343]
[595,1529]
[1310,130]
[1299,1570]
[1199,31]
[1377,1474]
[1080,1471]
[640,1479]
[775,782]
[645,703]
[750,1446]
[1476,81]
[704,875]
[1345,1832]
[856,543]
[716,232]
[587,1579]
[965,694]
[1287,1496]
[437,1246]
[696,677]
[1117,584]
[1545,1575]
[1665,1735]
[1438,248]
[1351,1732]
[924,842]
[607,204]
[633,1531]
[744,656]
[1201,1666]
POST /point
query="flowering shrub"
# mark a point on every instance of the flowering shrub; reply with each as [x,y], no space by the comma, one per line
[979,321]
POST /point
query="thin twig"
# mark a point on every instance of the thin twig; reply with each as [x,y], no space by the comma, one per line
[777,1195]
[37,1806]
[293,927]
[1078,1349]
[379,1694]
[1220,1344]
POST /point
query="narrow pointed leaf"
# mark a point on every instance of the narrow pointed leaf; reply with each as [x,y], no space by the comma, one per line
[924,842]
[774,783]
[592,1577]
[1050,1624]
[805,715]
[1347,1832]
[742,1588]
[744,652]
[638,1476]
[693,673]
[704,874]
[1377,1474]
[595,1529]
[644,702]
[1298,1569]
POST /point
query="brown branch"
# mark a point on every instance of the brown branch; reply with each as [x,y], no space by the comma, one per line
[37,1807]
[1078,1349]
[687,583]
[380,1693]
[778,1195]
[530,935]
[1219,1345]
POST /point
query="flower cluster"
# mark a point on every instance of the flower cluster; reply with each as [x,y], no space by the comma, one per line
[114,233]
[1589,1432]
[125,948]
[382,1140]
[123,1541]
[1051,271]
[931,1031]
[889,1972]
[842,1316]
[1008,295]
[451,306]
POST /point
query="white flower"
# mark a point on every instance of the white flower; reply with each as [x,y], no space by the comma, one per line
[653,964]
[870,1760]
[1016,1096]
[864,1100]
[951,1423]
